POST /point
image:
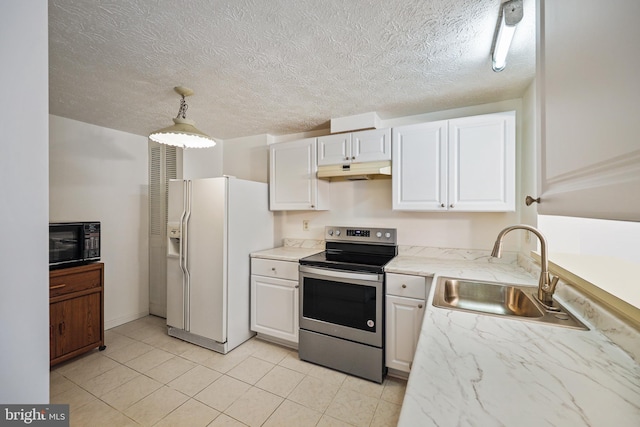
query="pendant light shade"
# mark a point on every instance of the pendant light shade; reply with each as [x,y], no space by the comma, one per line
[183,133]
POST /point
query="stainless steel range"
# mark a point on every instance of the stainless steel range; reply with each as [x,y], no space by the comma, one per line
[342,301]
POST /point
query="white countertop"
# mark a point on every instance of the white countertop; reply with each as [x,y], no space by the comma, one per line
[472,369]
[286,253]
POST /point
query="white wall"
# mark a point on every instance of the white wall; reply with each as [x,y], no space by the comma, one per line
[24,275]
[100,174]
[528,165]
[587,236]
[248,157]
[202,162]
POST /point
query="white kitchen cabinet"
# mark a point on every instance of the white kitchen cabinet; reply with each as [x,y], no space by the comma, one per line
[465,164]
[274,299]
[293,184]
[588,110]
[364,146]
[419,173]
[405,307]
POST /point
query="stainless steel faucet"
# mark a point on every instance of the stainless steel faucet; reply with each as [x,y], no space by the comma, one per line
[547,283]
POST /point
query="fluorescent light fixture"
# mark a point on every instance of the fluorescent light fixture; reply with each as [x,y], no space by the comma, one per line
[510,16]
[183,133]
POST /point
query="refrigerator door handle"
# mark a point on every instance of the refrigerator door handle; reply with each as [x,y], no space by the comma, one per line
[186,277]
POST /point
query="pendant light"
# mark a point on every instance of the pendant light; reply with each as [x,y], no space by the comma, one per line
[183,133]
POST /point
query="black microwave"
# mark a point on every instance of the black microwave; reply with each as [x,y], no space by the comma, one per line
[73,243]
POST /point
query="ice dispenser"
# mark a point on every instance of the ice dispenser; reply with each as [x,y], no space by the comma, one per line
[173,239]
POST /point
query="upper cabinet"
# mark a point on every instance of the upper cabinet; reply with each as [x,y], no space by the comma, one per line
[465,164]
[588,109]
[365,146]
[293,184]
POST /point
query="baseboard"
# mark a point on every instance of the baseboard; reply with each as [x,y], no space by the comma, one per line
[108,324]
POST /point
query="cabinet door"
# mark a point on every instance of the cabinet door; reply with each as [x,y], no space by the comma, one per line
[55,329]
[419,167]
[404,321]
[274,307]
[292,176]
[75,323]
[334,149]
[371,145]
[482,163]
[588,110]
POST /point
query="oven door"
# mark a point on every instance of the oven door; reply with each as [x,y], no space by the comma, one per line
[342,304]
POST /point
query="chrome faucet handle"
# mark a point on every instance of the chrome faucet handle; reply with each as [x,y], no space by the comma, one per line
[550,287]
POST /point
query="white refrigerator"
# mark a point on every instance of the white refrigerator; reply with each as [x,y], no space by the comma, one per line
[213,226]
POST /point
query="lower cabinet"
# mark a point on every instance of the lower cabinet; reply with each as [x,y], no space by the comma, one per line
[405,306]
[76,320]
[274,299]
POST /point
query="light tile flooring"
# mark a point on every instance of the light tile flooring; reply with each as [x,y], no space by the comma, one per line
[145,377]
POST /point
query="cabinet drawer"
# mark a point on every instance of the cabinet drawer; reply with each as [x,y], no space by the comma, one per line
[405,285]
[274,268]
[63,282]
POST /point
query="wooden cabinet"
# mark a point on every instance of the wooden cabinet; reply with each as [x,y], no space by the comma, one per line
[365,146]
[465,164]
[274,299]
[76,319]
[293,184]
[405,307]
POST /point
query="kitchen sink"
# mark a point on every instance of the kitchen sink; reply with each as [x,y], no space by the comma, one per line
[500,299]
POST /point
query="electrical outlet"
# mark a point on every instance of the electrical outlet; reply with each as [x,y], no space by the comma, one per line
[305,224]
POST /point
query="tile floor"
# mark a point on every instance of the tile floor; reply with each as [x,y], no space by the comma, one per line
[145,377]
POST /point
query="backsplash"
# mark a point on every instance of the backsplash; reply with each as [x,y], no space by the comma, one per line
[474,255]
[304,243]
[604,320]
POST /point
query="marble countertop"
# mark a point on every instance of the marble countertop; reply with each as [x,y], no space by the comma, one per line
[472,369]
[286,253]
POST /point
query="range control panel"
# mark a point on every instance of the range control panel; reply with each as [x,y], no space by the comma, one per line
[386,236]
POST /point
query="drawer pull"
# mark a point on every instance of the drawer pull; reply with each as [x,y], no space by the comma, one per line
[404,286]
[273,269]
[57,286]
[419,305]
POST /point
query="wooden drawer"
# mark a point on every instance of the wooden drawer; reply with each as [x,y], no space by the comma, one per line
[405,285]
[74,279]
[273,268]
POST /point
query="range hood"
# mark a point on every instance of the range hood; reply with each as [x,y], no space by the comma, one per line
[355,171]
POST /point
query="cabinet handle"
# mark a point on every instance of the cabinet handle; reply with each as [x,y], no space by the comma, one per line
[442,205]
[346,158]
[451,205]
[530,200]
[296,286]
[313,206]
[61,328]
[404,286]
[419,305]
[353,158]
[273,269]
[57,286]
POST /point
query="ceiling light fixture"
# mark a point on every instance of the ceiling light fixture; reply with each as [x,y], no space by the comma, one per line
[183,133]
[510,17]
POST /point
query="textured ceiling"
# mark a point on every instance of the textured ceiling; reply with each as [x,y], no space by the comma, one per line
[276,66]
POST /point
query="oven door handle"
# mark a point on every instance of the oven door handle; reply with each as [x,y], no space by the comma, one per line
[371,277]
